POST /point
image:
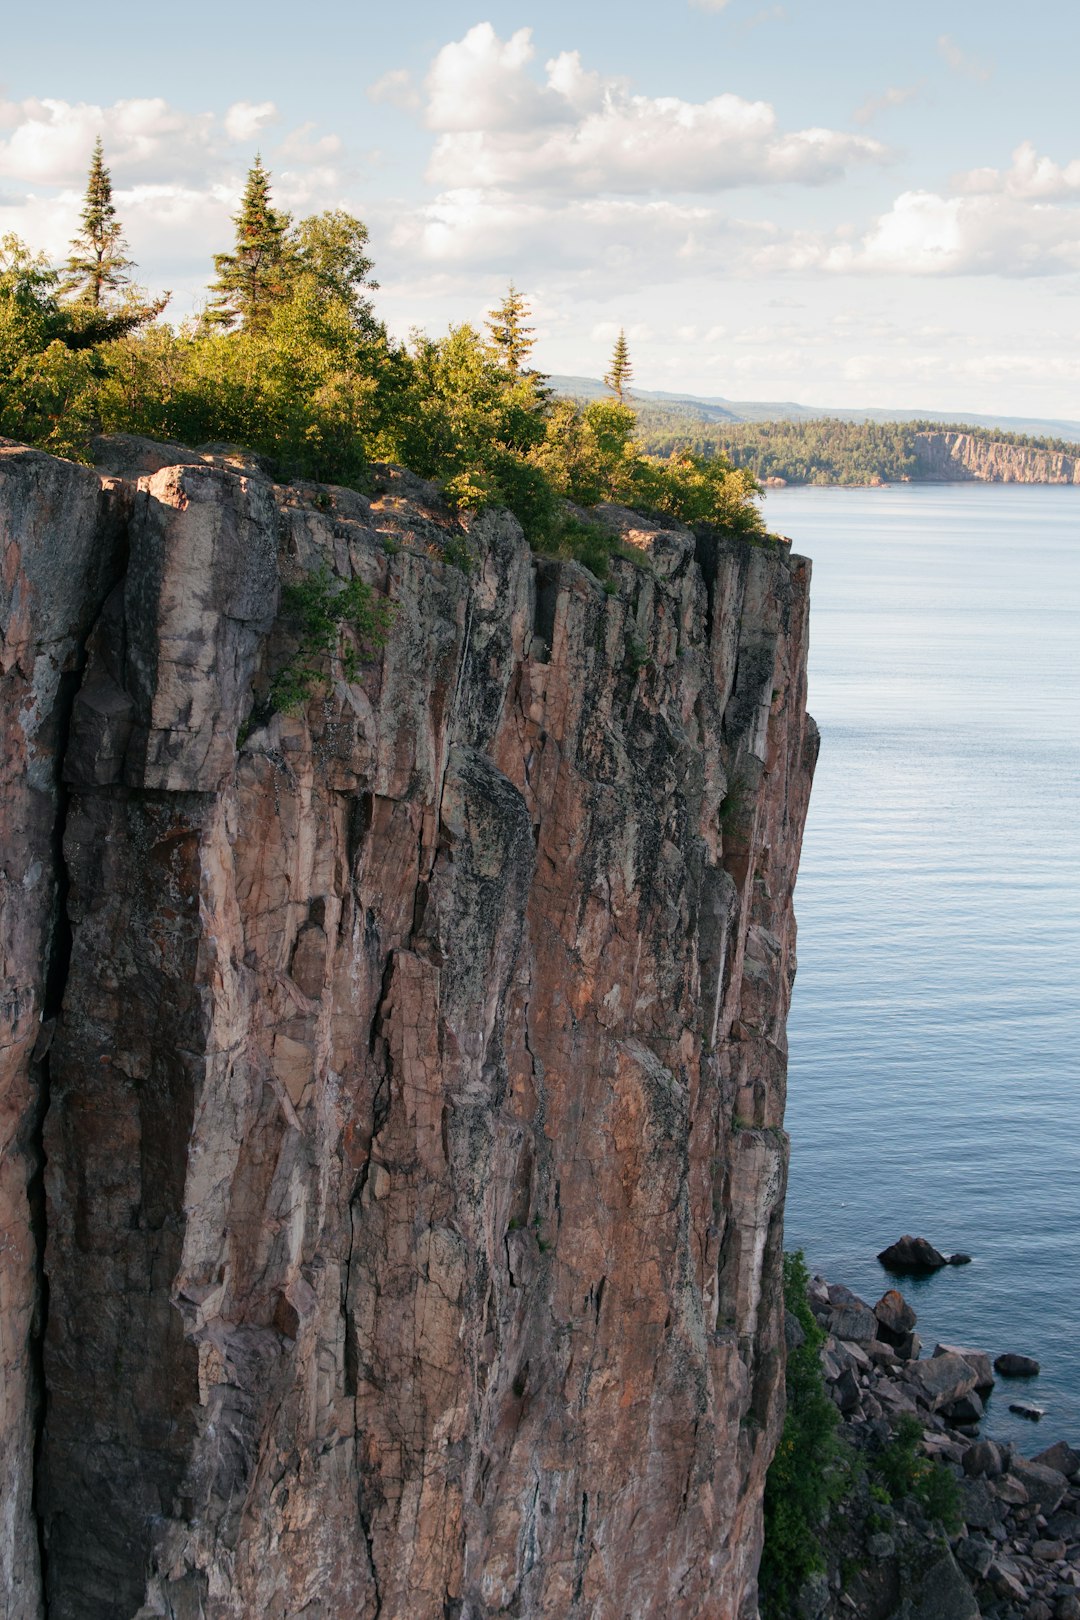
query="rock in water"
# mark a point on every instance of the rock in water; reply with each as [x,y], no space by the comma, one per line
[1012,1366]
[414,1162]
[1027,1409]
[912,1254]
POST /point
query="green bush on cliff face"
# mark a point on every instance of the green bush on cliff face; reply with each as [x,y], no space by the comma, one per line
[333,622]
[289,360]
[905,1472]
[809,1472]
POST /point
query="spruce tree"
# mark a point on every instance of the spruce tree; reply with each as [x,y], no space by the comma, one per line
[98,263]
[618,378]
[255,276]
[509,333]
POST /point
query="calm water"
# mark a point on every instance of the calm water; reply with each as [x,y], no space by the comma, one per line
[935,1033]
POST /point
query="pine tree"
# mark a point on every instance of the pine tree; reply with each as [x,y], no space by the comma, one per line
[618,378]
[255,276]
[98,264]
[509,334]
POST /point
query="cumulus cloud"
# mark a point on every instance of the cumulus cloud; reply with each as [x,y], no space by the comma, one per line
[48,142]
[992,234]
[969,67]
[499,126]
[1029,175]
[244,119]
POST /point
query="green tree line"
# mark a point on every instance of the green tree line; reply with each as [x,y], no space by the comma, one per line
[820,450]
[289,359]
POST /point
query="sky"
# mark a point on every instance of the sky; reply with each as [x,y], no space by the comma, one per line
[838,203]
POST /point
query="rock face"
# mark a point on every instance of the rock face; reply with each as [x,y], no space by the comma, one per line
[950,457]
[407,1072]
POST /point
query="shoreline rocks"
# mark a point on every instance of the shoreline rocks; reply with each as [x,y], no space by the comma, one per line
[1014,1555]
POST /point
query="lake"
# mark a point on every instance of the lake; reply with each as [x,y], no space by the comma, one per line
[935,1031]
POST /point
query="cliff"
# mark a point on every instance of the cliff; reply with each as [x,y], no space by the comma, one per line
[951,457]
[393,1169]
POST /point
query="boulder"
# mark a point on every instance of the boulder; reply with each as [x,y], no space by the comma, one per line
[1027,1409]
[895,1316]
[855,1321]
[1046,1486]
[1011,1491]
[985,1458]
[968,1409]
[1012,1366]
[979,1505]
[978,1359]
[1060,1456]
[975,1554]
[910,1347]
[846,1391]
[883,1355]
[959,1260]
[938,1590]
[1064,1525]
[912,1254]
[941,1380]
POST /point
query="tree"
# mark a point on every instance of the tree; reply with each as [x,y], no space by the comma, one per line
[621,371]
[509,334]
[98,263]
[330,250]
[254,277]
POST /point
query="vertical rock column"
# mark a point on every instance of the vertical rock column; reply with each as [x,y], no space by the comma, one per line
[60,533]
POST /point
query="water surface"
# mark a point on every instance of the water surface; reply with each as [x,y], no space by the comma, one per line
[935,1031]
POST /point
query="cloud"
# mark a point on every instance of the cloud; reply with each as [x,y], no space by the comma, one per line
[49,141]
[969,67]
[397,89]
[498,127]
[710,5]
[894,96]
[303,146]
[244,119]
[1029,176]
[991,234]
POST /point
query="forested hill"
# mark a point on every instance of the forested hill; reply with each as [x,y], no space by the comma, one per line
[829,451]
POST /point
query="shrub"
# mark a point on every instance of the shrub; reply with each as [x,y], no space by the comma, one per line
[905,1472]
[324,609]
[811,1468]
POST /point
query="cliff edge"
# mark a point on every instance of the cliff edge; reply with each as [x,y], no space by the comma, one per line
[959,457]
[392,1104]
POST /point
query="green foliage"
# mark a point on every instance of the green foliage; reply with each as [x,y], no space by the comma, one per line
[98,264]
[809,1471]
[903,1471]
[823,450]
[513,340]
[618,378]
[253,277]
[334,622]
[290,361]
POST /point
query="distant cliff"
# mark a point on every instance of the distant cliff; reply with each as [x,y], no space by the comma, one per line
[948,457]
[393,1094]
[827,451]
